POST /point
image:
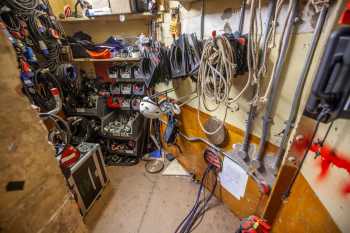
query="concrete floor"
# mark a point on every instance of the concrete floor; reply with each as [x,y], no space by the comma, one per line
[138,202]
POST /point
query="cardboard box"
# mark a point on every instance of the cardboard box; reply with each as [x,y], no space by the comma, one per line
[120,6]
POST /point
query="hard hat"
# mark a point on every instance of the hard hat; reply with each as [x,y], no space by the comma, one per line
[149,108]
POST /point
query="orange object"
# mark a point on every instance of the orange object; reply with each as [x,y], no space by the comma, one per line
[105,54]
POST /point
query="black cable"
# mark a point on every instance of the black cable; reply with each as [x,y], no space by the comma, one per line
[196,214]
[196,202]
[43,82]
[57,119]
[11,21]
[326,135]
[80,129]
[23,6]
[41,28]
[319,118]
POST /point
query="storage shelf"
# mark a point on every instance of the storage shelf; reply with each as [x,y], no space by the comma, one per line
[111,17]
[114,59]
[136,137]
[129,95]
[124,153]
[128,80]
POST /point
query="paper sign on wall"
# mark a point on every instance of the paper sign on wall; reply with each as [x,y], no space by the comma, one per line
[233,178]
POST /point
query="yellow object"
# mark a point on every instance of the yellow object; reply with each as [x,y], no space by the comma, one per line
[175,25]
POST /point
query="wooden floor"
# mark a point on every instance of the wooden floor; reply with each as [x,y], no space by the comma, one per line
[138,202]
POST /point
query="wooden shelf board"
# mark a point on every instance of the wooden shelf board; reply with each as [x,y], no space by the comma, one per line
[114,59]
[116,17]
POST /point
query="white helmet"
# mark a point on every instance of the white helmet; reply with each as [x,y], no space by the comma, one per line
[149,108]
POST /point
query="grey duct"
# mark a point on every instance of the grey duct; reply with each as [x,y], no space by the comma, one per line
[300,87]
[276,77]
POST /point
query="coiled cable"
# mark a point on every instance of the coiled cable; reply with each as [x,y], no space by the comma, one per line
[42,29]
[22,6]
[44,81]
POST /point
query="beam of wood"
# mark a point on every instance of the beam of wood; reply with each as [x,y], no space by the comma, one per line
[42,202]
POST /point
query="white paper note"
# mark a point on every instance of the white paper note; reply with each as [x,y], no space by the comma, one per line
[233,178]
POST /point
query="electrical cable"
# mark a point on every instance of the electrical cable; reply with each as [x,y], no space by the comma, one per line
[43,32]
[56,119]
[44,81]
[80,128]
[23,6]
[196,214]
[326,135]
[318,122]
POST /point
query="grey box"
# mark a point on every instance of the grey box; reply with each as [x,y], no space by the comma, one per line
[88,176]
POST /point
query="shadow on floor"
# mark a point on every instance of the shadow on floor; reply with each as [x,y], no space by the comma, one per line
[138,202]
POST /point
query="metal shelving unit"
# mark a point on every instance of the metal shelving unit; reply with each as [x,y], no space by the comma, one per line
[113,59]
[112,17]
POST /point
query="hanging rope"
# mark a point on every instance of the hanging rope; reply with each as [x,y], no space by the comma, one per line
[272,34]
[216,72]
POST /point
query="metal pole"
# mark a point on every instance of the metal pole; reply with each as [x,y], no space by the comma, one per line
[202,19]
[242,17]
[256,163]
[252,111]
[300,87]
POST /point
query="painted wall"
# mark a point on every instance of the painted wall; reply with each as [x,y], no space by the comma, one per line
[331,189]
[215,19]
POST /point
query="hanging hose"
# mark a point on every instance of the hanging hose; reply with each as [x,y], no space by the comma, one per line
[216,72]
[259,72]
[275,80]
[300,87]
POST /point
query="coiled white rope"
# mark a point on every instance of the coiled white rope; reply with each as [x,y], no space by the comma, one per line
[216,72]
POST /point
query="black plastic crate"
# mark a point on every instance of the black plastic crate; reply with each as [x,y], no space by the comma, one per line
[100,110]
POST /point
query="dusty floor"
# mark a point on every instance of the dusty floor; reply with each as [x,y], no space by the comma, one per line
[138,202]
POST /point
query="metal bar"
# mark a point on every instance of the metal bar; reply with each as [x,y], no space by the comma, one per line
[300,87]
[203,19]
[253,107]
[276,77]
[242,17]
